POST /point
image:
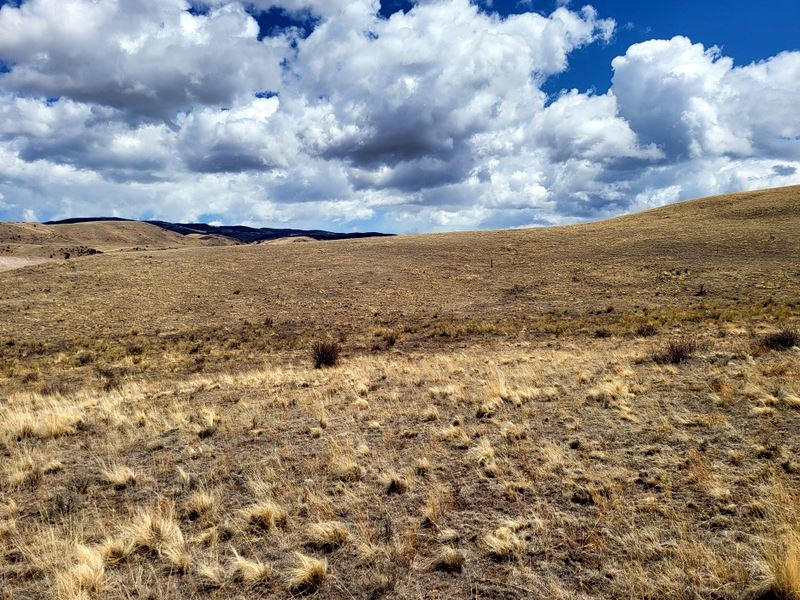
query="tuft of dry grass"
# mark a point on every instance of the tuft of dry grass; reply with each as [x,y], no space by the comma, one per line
[483,457]
[397,483]
[156,532]
[346,468]
[504,544]
[782,563]
[85,578]
[512,432]
[327,535]
[450,559]
[430,414]
[456,436]
[307,573]
[114,550]
[266,515]
[646,330]
[53,419]
[211,574]
[250,572]
[200,504]
[119,476]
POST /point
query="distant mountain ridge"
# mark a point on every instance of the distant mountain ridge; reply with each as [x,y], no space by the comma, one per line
[240,233]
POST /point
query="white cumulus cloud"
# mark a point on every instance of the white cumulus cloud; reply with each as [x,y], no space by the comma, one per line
[431,119]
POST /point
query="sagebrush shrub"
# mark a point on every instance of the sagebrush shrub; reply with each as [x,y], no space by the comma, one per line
[646,330]
[325,354]
[781,340]
[676,351]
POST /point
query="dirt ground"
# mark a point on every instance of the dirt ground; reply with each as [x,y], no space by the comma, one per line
[9,263]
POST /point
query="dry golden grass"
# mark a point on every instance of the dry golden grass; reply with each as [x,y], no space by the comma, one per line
[119,476]
[783,566]
[35,239]
[327,536]
[307,573]
[250,572]
[266,515]
[498,448]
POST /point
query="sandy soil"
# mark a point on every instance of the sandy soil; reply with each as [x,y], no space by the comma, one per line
[9,263]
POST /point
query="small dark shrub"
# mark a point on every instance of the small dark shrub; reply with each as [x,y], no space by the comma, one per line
[646,330]
[54,388]
[676,351]
[111,377]
[781,340]
[135,349]
[702,290]
[84,358]
[602,332]
[30,377]
[325,354]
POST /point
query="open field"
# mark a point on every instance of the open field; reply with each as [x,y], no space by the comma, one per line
[501,423]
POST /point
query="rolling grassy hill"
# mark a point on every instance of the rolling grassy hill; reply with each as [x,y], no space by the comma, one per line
[23,244]
[742,249]
[41,240]
[592,411]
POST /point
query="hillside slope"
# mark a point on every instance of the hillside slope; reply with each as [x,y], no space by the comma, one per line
[596,412]
[40,240]
[739,246]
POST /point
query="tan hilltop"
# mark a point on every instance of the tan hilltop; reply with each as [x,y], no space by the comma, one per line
[605,410]
[35,240]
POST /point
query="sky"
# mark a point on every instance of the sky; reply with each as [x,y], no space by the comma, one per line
[396,116]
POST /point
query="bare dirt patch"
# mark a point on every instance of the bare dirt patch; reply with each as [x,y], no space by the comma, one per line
[9,263]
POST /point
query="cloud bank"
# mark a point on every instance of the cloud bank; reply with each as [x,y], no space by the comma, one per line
[432,119]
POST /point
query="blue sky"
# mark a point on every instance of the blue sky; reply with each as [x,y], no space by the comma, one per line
[744,30]
[450,115]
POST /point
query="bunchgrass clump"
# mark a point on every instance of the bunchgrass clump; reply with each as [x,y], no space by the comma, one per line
[307,574]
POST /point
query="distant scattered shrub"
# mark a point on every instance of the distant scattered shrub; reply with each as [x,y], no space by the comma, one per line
[111,377]
[135,349]
[325,354]
[54,388]
[646,330]
[84,358]
[30,377]
[676,351]
[387,341]
[602,332]
[781,340]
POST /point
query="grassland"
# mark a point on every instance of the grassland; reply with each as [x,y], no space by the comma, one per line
[500,423]
[72,240]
